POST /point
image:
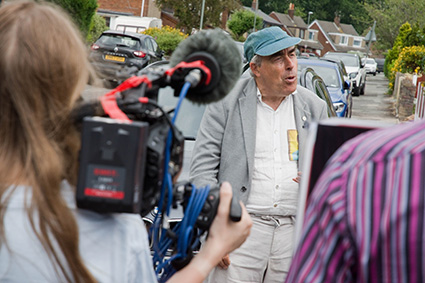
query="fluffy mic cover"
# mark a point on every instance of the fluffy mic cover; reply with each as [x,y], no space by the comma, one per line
[226,54]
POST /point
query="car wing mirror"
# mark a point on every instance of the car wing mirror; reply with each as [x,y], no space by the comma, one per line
[346,85]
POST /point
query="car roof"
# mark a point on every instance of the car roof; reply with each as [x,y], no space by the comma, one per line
[340,54]
[317,62]
[129,33]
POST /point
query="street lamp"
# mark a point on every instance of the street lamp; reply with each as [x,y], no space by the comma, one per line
[308,19]
[255,14]
[202,14]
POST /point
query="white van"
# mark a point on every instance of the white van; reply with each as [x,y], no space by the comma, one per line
[134,24]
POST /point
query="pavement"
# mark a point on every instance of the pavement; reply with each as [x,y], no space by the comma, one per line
[376,104]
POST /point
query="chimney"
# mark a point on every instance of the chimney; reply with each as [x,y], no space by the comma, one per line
[337,19]
[291,10]
[254,5]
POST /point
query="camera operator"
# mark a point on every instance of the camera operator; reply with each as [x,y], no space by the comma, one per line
[43,236]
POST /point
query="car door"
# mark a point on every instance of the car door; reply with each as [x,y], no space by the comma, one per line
[152,48]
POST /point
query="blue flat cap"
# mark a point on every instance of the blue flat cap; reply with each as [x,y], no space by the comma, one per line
[268,41]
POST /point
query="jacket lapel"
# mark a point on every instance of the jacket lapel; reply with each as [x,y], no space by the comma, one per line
[248,110]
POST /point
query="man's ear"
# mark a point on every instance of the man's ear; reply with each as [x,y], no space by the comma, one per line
[254,69]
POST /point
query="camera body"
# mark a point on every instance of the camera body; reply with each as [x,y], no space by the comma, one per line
[122,164]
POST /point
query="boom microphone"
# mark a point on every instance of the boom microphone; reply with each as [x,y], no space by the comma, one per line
[220,55]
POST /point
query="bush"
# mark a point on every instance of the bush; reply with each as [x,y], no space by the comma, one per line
[410,60]
[167,38]
[98,25]
[394,52]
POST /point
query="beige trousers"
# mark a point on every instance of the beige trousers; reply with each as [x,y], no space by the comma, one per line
[264,257]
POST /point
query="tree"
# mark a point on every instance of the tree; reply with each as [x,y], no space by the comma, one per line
[390,15]
[81,11]
[241,22]
[188,12]
[350,12]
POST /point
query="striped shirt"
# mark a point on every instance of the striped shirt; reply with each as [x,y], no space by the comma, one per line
[365,217]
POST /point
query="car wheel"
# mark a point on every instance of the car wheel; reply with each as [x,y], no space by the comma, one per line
[374,74]
[356,91]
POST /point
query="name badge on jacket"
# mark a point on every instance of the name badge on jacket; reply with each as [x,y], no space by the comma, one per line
[293,145]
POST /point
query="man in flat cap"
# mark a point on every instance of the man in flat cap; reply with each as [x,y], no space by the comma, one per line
[254,139]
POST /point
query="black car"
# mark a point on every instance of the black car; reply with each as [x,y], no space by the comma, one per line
[380,64]
[117,55]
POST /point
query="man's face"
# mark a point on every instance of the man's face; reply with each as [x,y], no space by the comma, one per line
[278,72]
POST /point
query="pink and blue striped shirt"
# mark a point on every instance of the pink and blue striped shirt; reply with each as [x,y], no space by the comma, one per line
[365,219]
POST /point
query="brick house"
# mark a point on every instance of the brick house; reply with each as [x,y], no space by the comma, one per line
[336,37]
[110,9]
[295,26]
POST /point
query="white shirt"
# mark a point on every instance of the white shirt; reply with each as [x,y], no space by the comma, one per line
[273,191]
[113,246]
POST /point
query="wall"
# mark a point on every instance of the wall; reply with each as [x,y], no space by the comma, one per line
[322,39]
[131,6]
[404,95]
[126,6]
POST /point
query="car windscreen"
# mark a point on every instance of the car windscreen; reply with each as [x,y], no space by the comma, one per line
[112,39]
[328,75]
[349,61]
[370,61]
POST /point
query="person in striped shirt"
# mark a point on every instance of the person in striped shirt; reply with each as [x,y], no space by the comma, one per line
[365,217]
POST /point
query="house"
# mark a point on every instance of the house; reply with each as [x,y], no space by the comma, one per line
[295,26]
[110,9]
[267,20]
[336,37]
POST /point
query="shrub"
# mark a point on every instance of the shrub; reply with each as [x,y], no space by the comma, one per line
[167,38]
[410,60]
[98,25]
[394,52]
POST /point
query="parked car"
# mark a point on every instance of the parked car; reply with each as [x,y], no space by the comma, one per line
[355,70]
[117,55]
[341,65]
[380,64]
[370,65]
[335,82]
[309,79]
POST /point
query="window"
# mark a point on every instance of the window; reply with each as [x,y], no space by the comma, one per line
[302,33]
[357,42]
[310,35]
[343,40]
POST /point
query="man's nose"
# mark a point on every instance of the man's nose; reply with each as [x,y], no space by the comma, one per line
[289,63]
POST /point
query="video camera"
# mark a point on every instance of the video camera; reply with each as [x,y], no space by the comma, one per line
[132,152]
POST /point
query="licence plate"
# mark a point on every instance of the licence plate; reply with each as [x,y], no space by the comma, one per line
[114,58]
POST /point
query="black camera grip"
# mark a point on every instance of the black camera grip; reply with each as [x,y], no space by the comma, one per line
[235,209]
[209,210]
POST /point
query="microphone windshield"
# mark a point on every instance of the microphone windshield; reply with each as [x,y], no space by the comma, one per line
[221,56]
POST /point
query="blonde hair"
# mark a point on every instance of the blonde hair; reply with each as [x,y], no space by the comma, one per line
[43,69]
